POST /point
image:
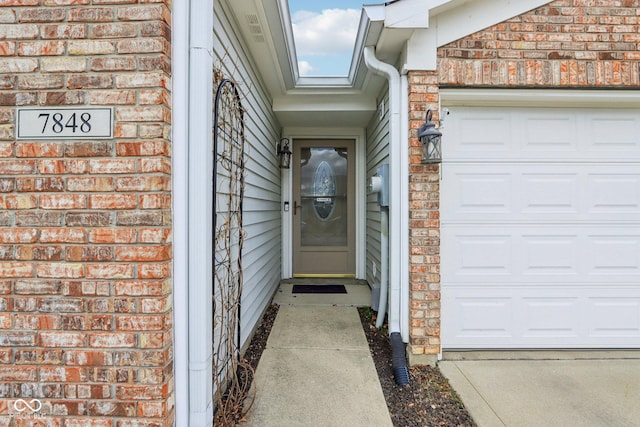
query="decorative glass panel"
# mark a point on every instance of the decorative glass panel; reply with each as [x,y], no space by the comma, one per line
[324,189]
[324,196]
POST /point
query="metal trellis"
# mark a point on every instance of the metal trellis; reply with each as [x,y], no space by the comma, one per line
[228,237]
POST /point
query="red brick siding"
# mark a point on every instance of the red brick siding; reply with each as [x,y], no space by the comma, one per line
[424,222]
[85,226]
[565,44]
[568,43]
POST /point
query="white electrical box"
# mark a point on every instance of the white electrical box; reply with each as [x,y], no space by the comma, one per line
[379,183]
[383,194]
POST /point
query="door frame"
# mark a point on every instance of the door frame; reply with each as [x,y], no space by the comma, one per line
[357,134]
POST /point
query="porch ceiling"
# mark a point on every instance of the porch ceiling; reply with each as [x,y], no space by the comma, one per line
[351,101]
[302,101]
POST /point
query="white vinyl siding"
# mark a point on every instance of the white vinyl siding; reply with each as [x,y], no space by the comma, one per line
[261,210]
[377,154]
[540,235]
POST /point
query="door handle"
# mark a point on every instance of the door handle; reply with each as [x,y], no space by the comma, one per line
[295,207]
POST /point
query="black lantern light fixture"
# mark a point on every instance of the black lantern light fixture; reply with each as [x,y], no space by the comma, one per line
[431,141]
[283,151]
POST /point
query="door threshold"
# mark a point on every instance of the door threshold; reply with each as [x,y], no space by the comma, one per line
[324,276]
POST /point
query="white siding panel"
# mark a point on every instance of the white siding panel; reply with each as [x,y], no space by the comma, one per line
[261,209]
[377,154]
[541,228]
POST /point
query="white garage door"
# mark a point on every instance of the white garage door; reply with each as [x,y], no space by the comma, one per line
[540,211]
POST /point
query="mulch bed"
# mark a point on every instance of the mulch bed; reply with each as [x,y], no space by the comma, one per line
[428,400]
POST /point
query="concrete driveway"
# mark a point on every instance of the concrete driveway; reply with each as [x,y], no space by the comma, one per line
[569,392]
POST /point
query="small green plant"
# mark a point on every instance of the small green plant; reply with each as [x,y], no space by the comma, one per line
[384,330]
[367,311]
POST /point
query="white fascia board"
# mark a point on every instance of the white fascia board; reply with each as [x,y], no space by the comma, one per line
[399,17]
[410,13]
[375,12]
[421,51]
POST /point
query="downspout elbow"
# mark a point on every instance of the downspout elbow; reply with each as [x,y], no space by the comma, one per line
[381,68]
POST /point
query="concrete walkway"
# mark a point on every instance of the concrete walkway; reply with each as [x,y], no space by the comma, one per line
[316,370]
[590,393]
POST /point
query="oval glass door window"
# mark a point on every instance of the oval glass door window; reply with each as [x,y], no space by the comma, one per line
[324,189]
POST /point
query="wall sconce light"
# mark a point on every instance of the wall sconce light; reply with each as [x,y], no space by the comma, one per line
[431,141]
[283,151]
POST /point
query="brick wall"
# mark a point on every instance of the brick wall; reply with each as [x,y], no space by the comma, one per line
[565,44]
[424,223]
[85,225]
[568,43]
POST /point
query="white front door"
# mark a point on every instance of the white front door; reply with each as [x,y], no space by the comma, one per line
[540,234]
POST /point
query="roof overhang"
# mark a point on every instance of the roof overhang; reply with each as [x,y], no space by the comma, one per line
[406,33]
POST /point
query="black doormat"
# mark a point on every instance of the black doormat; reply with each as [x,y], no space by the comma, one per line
[319,289]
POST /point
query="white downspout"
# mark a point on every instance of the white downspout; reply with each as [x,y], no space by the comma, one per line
[384,265]
[200,121]
[398,180]
[404,208]
[192,94]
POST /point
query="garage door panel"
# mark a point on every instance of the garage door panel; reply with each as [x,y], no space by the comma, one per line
[515,253]
[550,317]
[614,317]
[615,193]
[519,317]
[613,132]
[540,228]
[485,191]
[615,253]
[485,316]
[550,254]
[547,132]
[495,138]
[540,192]
[552,134]
[549,193]
[480,254]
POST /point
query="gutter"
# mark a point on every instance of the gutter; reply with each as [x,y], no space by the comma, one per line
[395,183]
[375,19]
